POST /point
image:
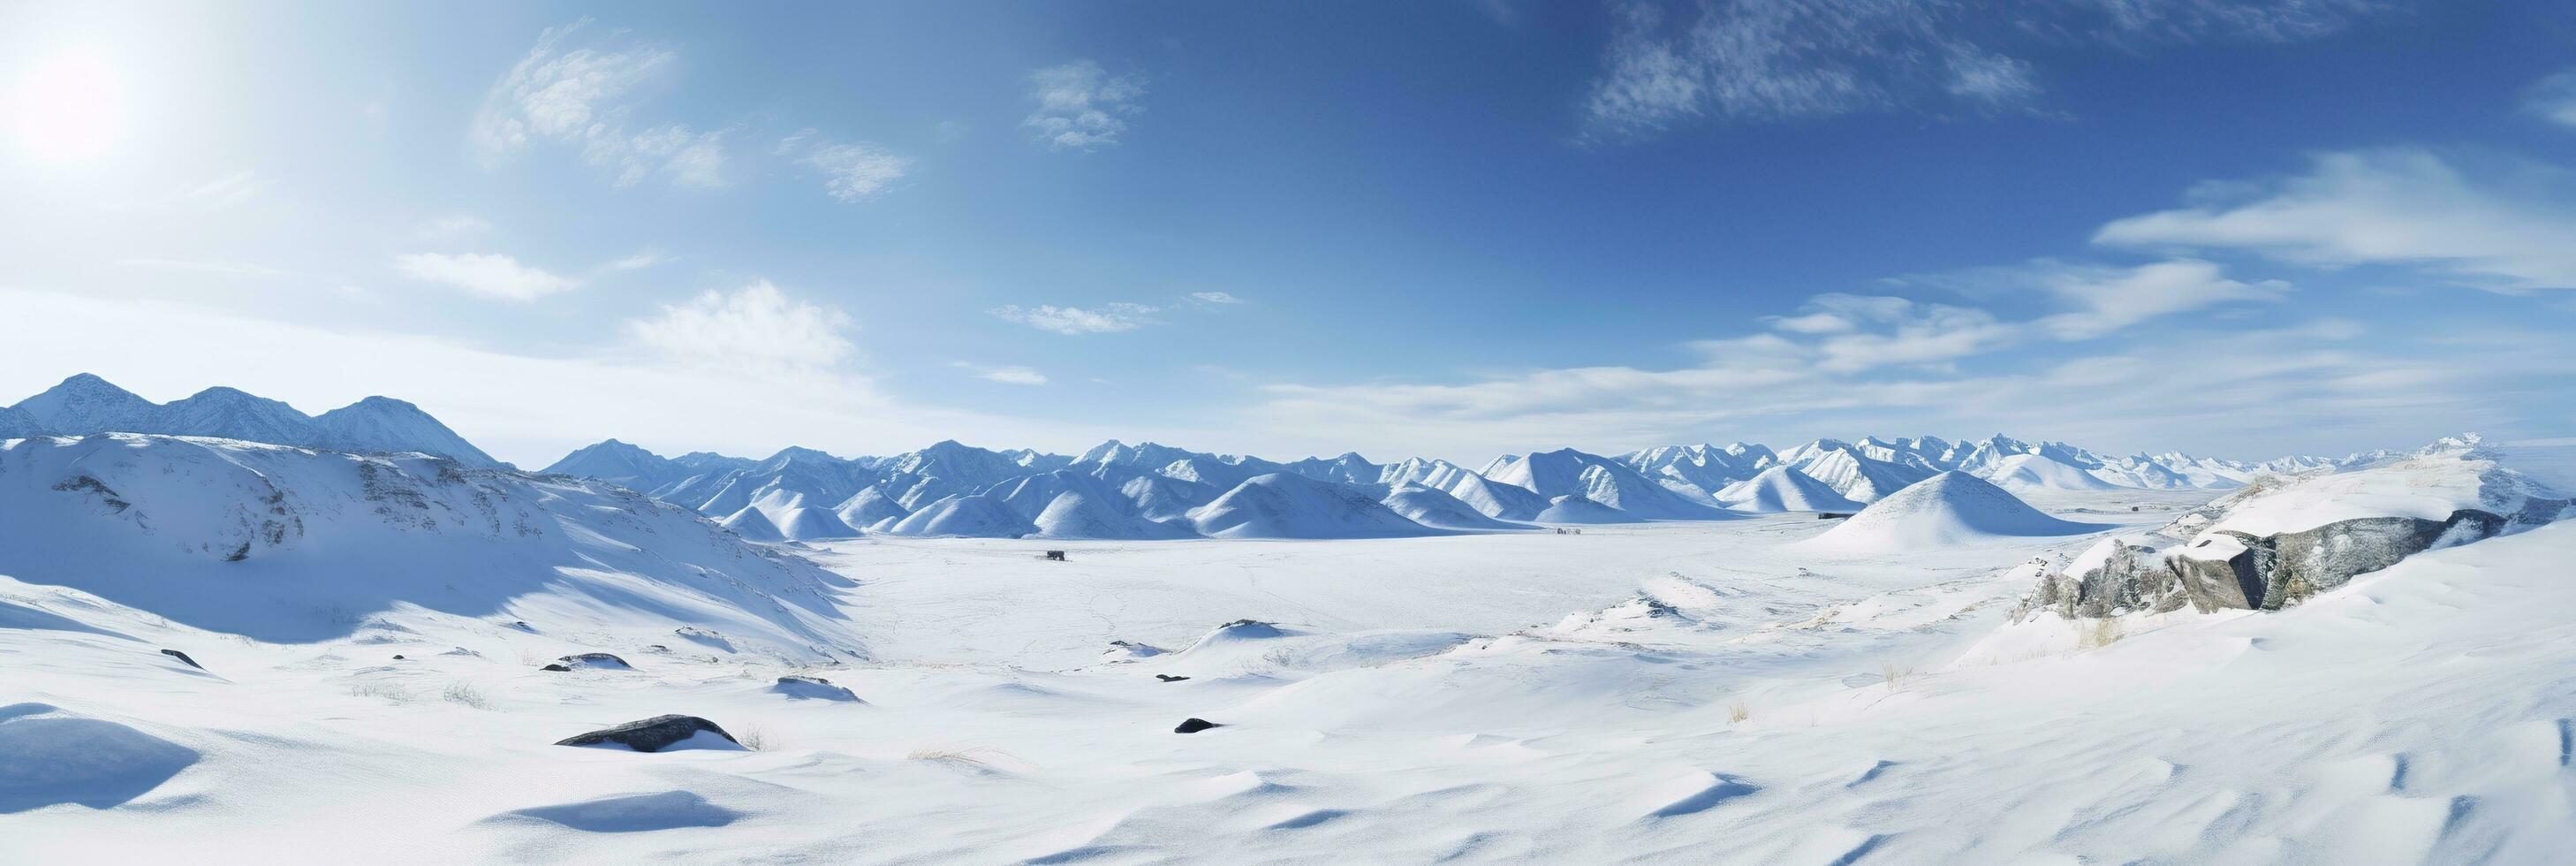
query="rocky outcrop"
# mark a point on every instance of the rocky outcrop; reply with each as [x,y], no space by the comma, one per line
[2229,570]
[650,735]
[2233,570]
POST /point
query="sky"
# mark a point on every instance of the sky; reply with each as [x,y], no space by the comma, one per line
[2242,228]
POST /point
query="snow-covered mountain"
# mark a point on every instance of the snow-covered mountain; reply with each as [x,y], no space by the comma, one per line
[86,404]
[1148,490]
[281,543]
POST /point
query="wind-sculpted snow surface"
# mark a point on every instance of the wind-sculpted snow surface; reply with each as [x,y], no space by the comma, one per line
[286,544]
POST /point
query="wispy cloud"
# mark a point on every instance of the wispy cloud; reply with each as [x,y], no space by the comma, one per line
[2508,225]
[640,260]
[852,172]
[1105,319]
[1762,60]
[1220,298]
[2554,99]
[487,274]
[1081,106]
[576,90]
[1008,375]
[754,329]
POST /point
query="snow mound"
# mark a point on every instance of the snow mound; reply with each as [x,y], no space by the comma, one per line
[2433,484]
[1435,508]
[2038,472]
[1286,505]
[812,689]
[806,523]
[753,525]
[49,757]
[1784,488]
[1947,510]
[1576,509]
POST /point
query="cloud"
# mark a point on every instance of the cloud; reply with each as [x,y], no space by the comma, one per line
[2554,99]
[1106,319]
[1215,298]
[755,329]
[2104,299]
[486,274]
[1081,106]
[2509,226]
[525,408]
[579,92]
[640,260]
[855,172]
[1008,375]
[1768,60]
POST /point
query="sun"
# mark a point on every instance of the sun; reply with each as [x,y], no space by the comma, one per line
[68,107]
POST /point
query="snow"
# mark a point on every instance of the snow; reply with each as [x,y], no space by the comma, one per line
[1947,510]
[1572,509]
[86,404]
[2037,472]
[2426,487]
[1700,691]
[1283,505]
[753,525]
[1437,509]
[1783,488]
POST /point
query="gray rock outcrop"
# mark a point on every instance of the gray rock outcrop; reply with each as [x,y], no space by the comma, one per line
[650,735]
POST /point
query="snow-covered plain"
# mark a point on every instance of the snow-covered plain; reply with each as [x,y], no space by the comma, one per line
[1718,691]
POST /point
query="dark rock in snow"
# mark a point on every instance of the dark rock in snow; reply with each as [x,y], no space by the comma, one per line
[813,688]
[555,668]
[398,657]
[1192,726]
[183,657]
[596,660]
[650,735]
[1169,678]
[2240,571]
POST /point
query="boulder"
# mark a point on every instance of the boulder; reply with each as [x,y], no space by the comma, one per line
[812,688]
[555,668]
[2228,569]
[654,734]
[596,660]
[1194,725]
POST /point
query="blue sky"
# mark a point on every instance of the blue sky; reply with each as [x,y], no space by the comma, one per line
[1450,229]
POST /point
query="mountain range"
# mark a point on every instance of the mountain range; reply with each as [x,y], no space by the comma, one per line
[85,404]
[1150,490]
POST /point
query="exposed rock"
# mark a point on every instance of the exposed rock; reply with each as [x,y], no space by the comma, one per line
[1169,679]
[596,660]
[183,657]
[1192,726]
[812,688]
[555,668]
[650,735]
[2234,570]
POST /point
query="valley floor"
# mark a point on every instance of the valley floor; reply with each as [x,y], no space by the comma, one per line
[1687,692]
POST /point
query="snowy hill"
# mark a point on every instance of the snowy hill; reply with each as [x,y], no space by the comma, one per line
[1784,488]
[1947,510]
[86,404]
[2024,473]
[1435,508]
[1604,481]
[284,544]
[1287,505]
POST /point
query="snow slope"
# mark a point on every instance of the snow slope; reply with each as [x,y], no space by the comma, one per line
[1435,508]
[2024,473]
[1784,488]
[285,544]
[1286,505]
[1951,509]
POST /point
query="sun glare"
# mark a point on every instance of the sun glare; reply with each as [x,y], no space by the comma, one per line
[68,107]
